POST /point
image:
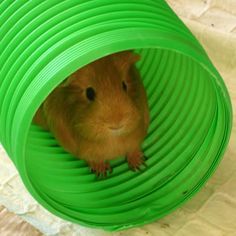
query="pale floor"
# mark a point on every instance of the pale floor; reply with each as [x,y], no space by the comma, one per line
[212,212]
[13,225]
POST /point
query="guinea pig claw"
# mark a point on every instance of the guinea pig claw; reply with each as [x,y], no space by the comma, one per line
[101,169]
[135,160]
[101,175]
[97,175]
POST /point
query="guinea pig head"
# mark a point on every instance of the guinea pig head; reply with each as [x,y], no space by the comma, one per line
[105,93]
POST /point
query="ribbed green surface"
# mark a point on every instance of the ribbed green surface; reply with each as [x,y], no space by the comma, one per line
[42,42]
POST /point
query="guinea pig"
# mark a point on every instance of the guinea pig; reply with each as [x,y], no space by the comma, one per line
[100,112]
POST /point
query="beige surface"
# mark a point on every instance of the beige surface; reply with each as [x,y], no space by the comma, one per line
[13,225]
[212,212]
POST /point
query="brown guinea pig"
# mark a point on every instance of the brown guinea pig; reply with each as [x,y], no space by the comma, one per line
[100,112]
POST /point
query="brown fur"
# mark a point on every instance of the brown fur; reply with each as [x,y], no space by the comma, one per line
[83,127]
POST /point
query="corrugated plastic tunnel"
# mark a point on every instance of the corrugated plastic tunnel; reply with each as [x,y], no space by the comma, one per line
[43,42]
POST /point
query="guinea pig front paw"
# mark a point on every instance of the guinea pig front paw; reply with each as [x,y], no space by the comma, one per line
[135,160]
[100,168]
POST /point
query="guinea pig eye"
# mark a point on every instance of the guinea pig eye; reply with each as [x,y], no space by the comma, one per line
[90,93]
[124,86]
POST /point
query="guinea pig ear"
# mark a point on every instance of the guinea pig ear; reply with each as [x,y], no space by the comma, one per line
[67,81]
[125,59]
[133,57]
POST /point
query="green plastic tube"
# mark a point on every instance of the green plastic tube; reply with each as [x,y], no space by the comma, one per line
[43,42]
